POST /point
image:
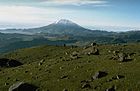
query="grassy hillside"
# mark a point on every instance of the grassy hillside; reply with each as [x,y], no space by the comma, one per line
[57,68]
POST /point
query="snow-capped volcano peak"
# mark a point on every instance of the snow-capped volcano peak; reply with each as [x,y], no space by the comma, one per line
[65,22]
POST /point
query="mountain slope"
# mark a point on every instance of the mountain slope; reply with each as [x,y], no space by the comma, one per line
[50,68]
[62,27]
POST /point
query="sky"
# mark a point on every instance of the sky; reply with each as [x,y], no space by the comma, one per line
[110,15]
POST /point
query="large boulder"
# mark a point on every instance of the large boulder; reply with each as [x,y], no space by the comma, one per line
[21,86]
[91,51]
[4,62]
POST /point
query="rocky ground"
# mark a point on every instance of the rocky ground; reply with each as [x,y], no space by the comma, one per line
[71,68]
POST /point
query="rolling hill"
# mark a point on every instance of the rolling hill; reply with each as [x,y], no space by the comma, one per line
[57,68]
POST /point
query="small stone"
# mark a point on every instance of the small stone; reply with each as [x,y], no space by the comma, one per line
[26,71]
[99,74]
[16,80]
[60,68]
[93,44]
[66,53]
[86,85]
[40,69]
[6,84]
[117,77]
[111,89]
[122,57]
[8,78]
[41,62]
[64,77]
[65,89]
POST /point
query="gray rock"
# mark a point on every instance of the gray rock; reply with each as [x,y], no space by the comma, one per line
[93,44]
[41,62]
[111,89]
[6,84]
[99,74]
[122,57]
[91,51]
[85,84]
[65,89]
[4,62]
[117,77]
[21,86]
[74,55]
[64,77]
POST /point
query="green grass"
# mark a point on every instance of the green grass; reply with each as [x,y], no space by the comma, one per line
[57,64]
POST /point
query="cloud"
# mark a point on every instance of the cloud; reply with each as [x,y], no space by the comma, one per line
[75,2]
[23,16]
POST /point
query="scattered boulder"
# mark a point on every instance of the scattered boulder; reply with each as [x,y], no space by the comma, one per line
[93,44]
[95,52]
[41,62]
[115,52]
[64,77]
[8,78]
[61,68]
[85,84]
[74,55]
[26,71]
[65,89]
[66,53]
[117,77]
[99,74]
[6,84]
[122,57]
[4,62]
[21,86]
[91,51]
[111,89]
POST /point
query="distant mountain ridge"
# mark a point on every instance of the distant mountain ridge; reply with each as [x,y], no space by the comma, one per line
[62,32]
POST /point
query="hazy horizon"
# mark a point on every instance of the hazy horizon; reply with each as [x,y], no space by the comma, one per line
[109,15]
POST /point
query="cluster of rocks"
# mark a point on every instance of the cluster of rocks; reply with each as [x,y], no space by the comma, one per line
[4,62]
[86,84]
[97,75]
[120,56]
[74,55]
[91,50]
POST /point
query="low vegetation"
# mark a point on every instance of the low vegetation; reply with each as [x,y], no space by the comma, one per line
[94,67]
